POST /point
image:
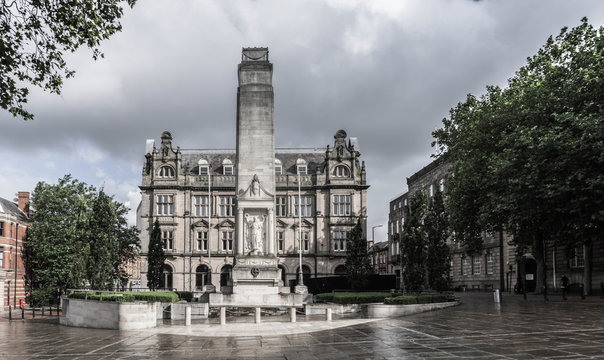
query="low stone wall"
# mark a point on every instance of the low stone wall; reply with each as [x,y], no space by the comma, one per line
[176,311]
[384,311]
[319,309]
[108,315]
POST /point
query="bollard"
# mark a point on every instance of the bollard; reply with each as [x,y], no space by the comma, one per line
[42,310]
[258,313]
[496,295]
[292,314]
[50,309]
[188,316]
[33,312]
[22,313]
[222,315]
[328,314]
[10,314]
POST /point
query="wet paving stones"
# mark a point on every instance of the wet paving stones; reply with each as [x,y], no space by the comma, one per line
[477,329]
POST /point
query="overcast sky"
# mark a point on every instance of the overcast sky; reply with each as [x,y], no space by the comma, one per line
[387,72]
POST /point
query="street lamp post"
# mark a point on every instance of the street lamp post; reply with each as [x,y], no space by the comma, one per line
[373,232]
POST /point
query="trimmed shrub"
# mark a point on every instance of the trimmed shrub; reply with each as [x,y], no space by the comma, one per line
[118,297]
[155,296]
[185,295]
[41,297]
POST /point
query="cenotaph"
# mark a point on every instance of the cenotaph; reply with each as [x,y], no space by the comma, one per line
[256,279]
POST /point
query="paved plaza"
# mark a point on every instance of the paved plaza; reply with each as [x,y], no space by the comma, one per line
[476,329]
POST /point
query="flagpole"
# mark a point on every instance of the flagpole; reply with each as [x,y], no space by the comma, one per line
[301,274]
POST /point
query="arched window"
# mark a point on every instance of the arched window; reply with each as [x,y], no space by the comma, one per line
[166,172]
[278,167]
[204,167]
[340,171]
[340,270]
[225,275]
[301,167]
[305,272]
[166,281]
[202,277]
[227,167]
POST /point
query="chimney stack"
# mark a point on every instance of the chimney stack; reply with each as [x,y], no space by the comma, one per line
[24,202]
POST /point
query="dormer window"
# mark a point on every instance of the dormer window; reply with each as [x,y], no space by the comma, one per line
[278,167]
[166,172]
[341,171]
[227,167]
[204,167]
[301,168]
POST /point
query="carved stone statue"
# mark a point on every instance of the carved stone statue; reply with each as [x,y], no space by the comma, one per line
[255,241]
[255,188]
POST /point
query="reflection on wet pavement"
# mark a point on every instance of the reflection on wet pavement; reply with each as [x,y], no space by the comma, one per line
[477,329]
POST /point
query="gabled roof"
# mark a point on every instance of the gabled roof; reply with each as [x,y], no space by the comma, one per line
[11,208]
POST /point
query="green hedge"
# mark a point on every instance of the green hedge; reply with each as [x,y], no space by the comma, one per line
[185,295]
[128,296]
[352,297]
[119,297]
[417,299]
[155,296]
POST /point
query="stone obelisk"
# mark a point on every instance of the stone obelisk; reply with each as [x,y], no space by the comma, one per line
[256,261]
[256,278]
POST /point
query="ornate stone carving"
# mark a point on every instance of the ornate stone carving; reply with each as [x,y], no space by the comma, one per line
[255,234]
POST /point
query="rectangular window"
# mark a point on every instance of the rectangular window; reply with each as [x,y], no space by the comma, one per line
[305,205]
[280,240]
[305,240]
[339,240]
[341,205]
[464,265]
[278,170]
[202,240]
[1,228]
[167,239]
[200,204]
[227,205]
[490,264]
[302,169]
[227,241]
[227,170]
[577,257]
[441,185]
[203,170]
[165,204]
[398,228]
[476,265]
[431,190]
[280,206]
[1,257]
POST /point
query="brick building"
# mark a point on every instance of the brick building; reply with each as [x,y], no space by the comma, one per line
[14,221]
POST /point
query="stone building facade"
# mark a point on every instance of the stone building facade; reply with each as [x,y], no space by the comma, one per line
[14,221]
[175,187]
[480,270]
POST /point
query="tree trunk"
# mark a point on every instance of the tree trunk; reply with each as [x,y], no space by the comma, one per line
[587,288]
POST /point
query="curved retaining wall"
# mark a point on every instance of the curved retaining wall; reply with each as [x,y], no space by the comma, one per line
[108,315]
[385,311]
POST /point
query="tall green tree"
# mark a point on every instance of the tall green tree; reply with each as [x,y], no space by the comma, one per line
[77,236]
[128,243]
[34,35]
[438,259]
[413,244]
[528,158]
[57,246]
[155,258]
[358,264]
[103,243]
